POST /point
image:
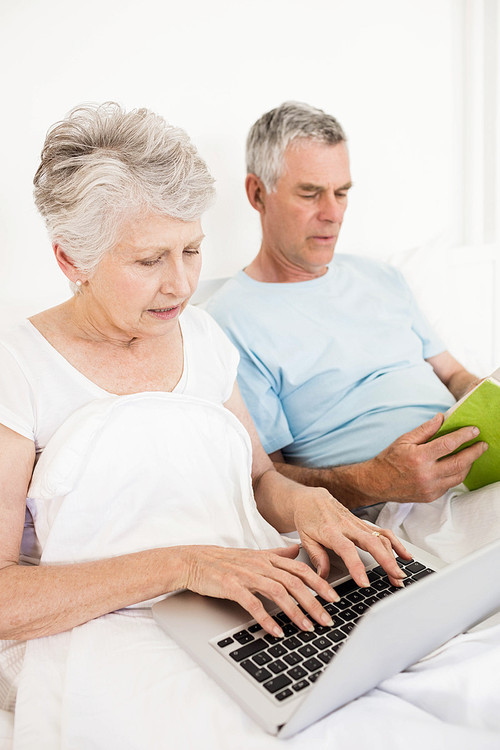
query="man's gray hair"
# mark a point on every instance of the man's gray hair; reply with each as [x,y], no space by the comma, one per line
[101,165]
[269,138]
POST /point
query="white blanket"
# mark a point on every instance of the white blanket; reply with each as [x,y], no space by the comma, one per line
[137,471]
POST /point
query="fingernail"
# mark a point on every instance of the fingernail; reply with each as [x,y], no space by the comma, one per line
[333,596]
[475,431]
[307,625]
[318,570]
[326,619]
[485,447]
[277,632]
[365,581]
[402,574]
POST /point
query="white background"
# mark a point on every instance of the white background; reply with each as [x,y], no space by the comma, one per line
[394,72]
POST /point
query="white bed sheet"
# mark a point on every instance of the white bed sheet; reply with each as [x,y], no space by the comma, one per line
[119,681]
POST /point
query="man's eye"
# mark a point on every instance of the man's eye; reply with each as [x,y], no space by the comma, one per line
[308,195]
[149,263]
[192,252]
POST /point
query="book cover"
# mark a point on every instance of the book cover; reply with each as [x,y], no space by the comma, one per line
[481,408]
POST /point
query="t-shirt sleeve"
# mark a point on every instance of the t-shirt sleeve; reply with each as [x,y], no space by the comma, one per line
[432,344]
[16,402]
[259,391]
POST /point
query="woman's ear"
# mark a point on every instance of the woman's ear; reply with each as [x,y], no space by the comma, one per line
[66,265]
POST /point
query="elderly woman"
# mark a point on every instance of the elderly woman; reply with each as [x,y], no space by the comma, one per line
[122,194]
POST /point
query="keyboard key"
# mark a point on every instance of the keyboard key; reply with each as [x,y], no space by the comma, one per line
[282,618]
[277,666]
[254,628]
[312,665]
[349,615]
[283,694]
[290,629]
[348,627]
[326,656]
[332,609]
[374,575]
[307,650]
[306,636]
[343,604]
[258,673]
[243,637]
[292,643]
[293,658]
[336,635]
[414,567]
[322,629]
[321,643]
[345,588]
[277,650]
[272,639]
[225,642]
[355,597]
[262,658]
[368,591]
[277,683]
[314,677]
[300,685]
[381,584]
[297,673]
[249,650]
[403,563]
[360,608]
[422,574]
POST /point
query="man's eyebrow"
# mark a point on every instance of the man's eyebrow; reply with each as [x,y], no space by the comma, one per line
[310,187]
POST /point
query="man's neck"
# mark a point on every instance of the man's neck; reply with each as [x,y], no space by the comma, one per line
[274,269]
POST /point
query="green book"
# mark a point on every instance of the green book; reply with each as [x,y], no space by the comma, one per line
[480,408]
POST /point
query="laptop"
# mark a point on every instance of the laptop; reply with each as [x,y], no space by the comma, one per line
[287,684]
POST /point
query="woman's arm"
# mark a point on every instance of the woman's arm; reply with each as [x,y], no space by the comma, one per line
[40,600]
[46,599]
[322,522]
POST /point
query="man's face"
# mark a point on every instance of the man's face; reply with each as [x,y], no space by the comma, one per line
[301,218]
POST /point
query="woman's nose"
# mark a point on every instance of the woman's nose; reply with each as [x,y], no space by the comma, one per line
[176,282]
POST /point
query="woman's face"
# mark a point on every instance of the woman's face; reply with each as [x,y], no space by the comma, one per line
[141,286]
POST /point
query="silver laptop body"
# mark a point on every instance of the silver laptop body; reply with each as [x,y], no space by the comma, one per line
[390,636]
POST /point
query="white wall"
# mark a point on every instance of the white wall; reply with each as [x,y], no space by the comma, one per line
[389,70]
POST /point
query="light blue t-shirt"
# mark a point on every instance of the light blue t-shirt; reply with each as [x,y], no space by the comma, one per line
[332,370]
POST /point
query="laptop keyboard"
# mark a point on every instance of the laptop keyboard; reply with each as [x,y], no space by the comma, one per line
[284,667]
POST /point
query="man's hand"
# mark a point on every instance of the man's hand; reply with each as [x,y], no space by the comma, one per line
[410,470]
[414,470]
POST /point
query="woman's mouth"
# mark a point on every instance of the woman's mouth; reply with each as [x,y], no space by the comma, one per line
[165,313]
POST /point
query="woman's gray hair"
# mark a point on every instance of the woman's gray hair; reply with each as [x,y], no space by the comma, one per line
[101,165]
[269,138]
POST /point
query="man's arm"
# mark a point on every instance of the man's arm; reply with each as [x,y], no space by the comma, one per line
[455,377]
[408,470]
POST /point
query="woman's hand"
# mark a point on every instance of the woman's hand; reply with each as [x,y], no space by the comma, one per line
[240,574]
[323,522]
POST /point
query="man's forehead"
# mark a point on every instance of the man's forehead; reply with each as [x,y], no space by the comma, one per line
[307,162]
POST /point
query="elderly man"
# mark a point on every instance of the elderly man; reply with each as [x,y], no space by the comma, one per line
[342,374]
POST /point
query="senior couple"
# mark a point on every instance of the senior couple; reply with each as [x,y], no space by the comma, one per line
[121,421]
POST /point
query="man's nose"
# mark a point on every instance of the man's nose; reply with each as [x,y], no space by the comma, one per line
[330,209]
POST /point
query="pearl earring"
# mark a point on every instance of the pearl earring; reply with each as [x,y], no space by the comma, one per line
[78,283]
